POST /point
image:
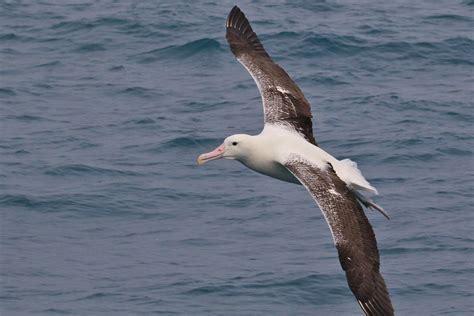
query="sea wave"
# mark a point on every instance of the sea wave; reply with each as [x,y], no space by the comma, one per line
[184,142]
[202,47]
[81,169]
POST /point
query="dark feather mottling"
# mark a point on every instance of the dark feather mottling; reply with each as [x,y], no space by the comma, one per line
[352,233]
[283,100]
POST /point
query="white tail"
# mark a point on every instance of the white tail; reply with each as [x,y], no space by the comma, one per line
[347,170]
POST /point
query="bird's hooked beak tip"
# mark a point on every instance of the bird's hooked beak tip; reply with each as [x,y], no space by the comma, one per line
[213,155]
[200,161]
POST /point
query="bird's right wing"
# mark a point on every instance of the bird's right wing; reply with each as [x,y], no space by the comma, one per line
[351,231]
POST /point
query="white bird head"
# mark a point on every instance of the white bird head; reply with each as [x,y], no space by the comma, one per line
[237,147]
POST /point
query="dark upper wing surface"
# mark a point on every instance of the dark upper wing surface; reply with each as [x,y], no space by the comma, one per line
[352,234]
[283,101]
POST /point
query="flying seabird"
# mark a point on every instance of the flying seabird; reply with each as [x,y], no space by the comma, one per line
[287,150]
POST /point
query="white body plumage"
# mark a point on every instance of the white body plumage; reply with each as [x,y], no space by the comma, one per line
[268,151]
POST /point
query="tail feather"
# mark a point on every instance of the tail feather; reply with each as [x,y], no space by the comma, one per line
[347,170]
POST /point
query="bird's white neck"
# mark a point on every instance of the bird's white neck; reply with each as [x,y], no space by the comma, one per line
[262,157]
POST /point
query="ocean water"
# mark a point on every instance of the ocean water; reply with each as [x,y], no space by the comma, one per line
[105,106]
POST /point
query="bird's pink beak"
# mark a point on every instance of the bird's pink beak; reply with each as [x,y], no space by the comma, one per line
[215,154]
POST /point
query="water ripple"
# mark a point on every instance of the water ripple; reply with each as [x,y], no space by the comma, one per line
[203,46]
[80,169]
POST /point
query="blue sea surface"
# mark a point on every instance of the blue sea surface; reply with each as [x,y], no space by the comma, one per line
[105,105]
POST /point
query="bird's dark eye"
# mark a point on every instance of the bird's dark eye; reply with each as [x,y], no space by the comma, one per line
[234,143]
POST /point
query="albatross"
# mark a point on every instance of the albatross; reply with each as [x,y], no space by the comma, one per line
[287,150]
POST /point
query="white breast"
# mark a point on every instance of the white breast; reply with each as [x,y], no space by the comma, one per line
[272,169]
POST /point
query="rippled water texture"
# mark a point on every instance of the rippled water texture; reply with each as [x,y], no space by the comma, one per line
[105,106]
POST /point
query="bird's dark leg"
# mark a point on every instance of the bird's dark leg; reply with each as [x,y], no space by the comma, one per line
[368,203]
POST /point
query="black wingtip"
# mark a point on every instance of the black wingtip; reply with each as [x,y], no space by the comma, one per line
[379,303]
[237,21]
[233,14]
[241,37]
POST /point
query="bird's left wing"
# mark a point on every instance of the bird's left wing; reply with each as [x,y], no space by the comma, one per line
[351,231]
[283,101]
